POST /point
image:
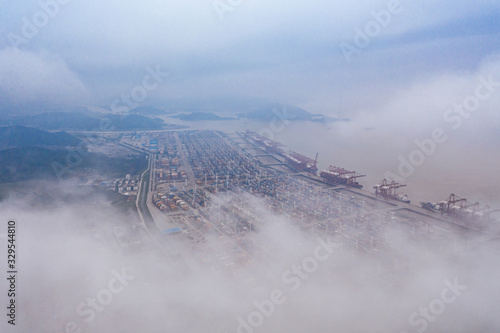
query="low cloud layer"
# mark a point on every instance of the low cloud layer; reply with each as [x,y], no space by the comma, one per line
[73,272]
[38,77]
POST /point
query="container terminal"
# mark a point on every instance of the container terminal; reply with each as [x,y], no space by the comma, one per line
[295,160]
[389,190]
[210,188]
[463,210]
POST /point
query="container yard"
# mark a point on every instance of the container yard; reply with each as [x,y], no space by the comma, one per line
[227,188]
[211,157]
[166,159]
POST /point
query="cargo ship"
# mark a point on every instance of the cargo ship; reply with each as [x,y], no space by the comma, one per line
[340,176]
[462,209]
[301,162]
[389,190]
[269,145]
[431,206]
[273,147]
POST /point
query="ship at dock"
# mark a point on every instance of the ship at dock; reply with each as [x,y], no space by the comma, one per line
[463,210]
[433,207]
[301,162]
[297,161]
[340,176]
[271,146]
[389,191]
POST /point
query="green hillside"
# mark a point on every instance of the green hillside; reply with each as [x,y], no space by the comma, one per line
[83,122]
[26,163]
[13,136]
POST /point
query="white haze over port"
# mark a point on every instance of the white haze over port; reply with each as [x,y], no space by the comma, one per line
[67,254]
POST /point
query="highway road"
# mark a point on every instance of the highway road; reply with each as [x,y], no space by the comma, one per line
[171,253]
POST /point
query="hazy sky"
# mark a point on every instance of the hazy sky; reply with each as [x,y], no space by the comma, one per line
[91,52]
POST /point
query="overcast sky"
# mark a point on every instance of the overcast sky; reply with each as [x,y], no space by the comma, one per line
[289,51]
